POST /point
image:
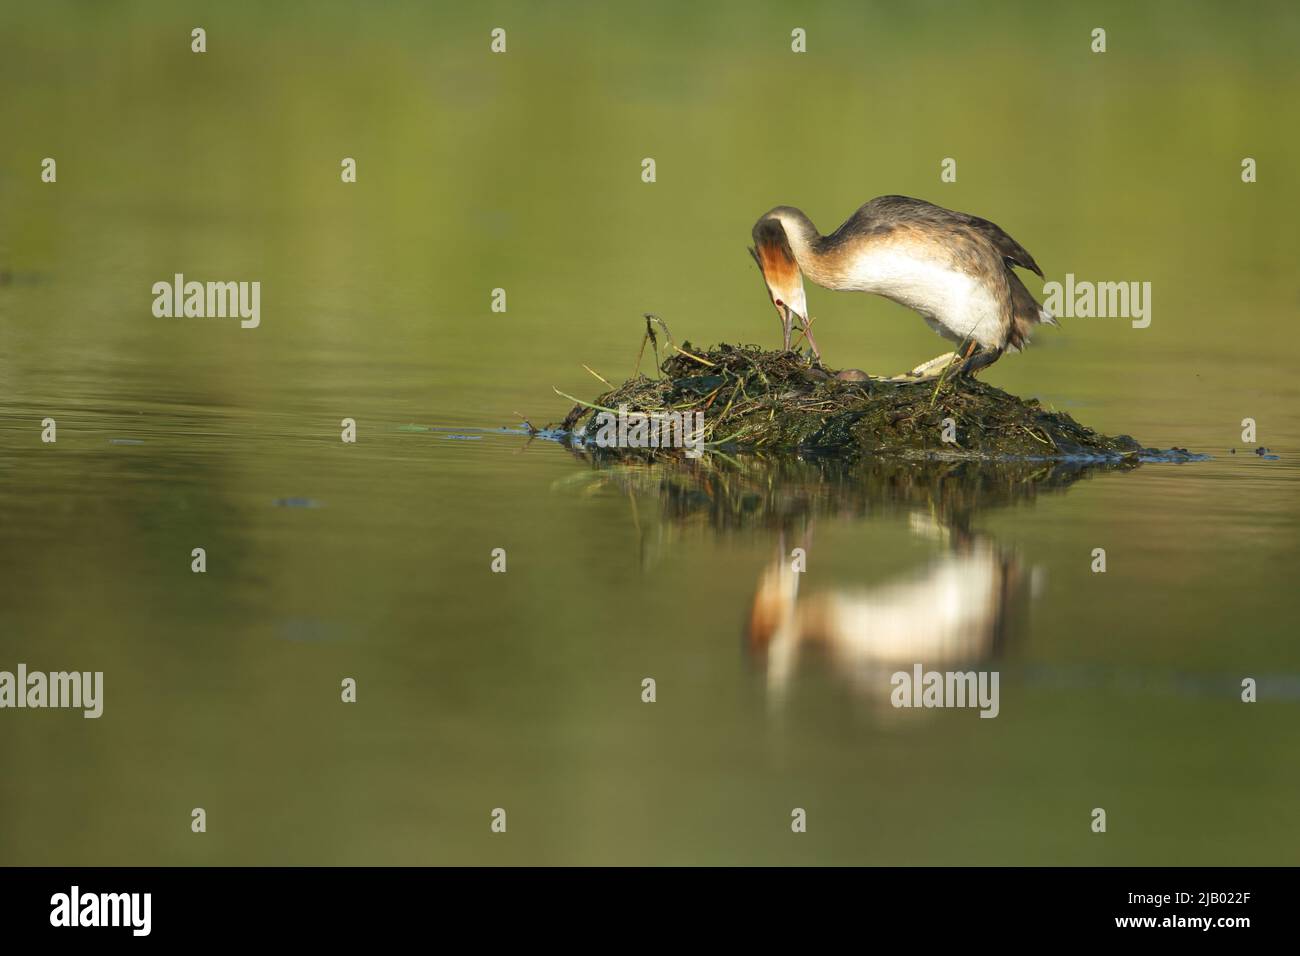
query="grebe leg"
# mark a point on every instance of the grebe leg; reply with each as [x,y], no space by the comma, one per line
[981,359]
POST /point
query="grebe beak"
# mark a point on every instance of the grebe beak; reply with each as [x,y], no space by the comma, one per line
[799,309]
[787,323]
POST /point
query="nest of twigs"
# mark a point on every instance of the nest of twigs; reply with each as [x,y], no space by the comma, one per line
[753,399]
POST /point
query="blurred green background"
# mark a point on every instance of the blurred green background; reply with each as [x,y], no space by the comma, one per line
[522,171]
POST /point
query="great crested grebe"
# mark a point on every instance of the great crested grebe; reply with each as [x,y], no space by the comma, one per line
[953,269]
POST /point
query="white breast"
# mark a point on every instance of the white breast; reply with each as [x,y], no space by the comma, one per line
[956,305]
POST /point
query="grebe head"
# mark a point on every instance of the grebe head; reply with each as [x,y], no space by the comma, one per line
[780,271]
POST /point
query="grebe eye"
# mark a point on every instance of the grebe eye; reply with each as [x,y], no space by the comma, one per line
[778,302]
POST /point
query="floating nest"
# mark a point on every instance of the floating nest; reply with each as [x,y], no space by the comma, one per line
[753,400]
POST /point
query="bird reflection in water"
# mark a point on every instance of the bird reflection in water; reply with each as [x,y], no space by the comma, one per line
[959,610]
[965,607]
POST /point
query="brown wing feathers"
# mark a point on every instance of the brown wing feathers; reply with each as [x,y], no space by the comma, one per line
[1010,250]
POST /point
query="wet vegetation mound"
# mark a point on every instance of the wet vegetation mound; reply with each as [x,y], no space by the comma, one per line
[753,400]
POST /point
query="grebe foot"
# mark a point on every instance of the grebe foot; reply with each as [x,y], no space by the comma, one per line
[981,359]
[925,372]
[932,368]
